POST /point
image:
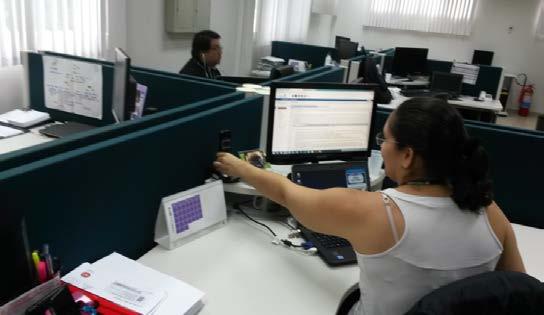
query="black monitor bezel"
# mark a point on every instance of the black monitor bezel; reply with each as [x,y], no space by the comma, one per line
[483,57]
[395,64]
[286,159]
[447,74]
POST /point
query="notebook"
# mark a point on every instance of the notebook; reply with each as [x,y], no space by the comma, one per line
[333,250]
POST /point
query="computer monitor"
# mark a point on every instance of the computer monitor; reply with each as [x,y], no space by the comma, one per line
[347,49]
[121,91]
[19,273]
[368,73]
[338,39]
[409,61]
[281,71]
[447,82]
[482,57]
[312,122]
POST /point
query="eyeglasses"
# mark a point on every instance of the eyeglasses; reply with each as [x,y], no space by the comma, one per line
[380,139]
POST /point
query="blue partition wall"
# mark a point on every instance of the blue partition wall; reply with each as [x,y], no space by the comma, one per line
[333,75]
[78,140]
[104,197]
[165,90]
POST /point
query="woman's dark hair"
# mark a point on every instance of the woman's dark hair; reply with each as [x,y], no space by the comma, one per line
[435,131]
[202,42]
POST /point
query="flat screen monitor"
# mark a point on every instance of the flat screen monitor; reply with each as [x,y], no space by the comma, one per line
[447,82]
[410,61]
[482,57]
[120,98]
[19,271]
[312,122]
[339,39]
[347,50]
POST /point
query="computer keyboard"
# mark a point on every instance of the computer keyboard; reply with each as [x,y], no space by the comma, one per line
[329,241]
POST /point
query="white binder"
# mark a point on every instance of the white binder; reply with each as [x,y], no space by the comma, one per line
[189,214]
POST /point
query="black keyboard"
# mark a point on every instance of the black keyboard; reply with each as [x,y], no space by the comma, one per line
[416,92]
[329,241]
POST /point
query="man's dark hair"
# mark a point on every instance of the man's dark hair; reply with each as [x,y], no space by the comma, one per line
[202,42]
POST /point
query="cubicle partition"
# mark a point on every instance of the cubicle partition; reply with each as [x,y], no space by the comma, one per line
[165,90]
[314,55]
[78,140]
[333,75]
[515,155]
[104,197]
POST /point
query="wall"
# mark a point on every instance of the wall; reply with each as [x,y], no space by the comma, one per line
[517,51]
[150,46]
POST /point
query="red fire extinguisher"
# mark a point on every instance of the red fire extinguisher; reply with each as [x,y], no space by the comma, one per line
[525,99]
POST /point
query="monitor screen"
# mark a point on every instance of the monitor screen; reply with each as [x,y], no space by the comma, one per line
[447,82]
[311,122]
[347,49]
[482,57]
[120,93]
[339,39]
[410,61]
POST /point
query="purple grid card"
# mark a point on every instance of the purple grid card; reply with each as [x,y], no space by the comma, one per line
[186,211]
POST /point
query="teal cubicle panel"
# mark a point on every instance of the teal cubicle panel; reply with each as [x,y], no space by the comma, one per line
[165,90]
[314,55]
[488,80]
[334,75]
[78,140]
[184,76]
[438,66]
[104,197]
[299,76]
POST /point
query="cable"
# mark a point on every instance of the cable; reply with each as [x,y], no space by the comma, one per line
[237,207]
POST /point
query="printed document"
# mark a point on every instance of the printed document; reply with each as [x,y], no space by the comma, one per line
[73,86]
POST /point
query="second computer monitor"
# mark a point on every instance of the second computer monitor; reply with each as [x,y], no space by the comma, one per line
[347,49]
[482,57]
[447,82]
[410,61]
[311,122]
[120,85]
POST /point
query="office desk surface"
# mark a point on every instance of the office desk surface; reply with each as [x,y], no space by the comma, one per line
[464,101]
[242,272]
[22,141]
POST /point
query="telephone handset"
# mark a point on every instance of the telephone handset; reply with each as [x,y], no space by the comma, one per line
[224,146]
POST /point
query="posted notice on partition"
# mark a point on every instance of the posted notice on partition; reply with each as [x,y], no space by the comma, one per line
[73,86]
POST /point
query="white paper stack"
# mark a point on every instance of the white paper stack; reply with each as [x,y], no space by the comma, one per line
[24,118]
[136,287]
[6,132]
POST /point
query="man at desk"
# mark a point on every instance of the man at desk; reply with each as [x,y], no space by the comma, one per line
[206,55]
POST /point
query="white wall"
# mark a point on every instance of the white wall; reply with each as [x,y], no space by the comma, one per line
[518,51]
[149,45]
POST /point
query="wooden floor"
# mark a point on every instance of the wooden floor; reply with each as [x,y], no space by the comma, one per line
[514,120]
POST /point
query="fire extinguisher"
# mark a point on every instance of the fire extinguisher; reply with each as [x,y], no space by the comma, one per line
[525,99]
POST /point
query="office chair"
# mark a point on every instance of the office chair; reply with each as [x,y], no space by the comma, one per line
[490,293]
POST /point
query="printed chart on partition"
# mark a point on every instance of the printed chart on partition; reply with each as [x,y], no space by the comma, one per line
[73,86]
[185,212]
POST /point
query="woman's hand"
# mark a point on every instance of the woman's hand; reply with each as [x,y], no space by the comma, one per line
[228,164]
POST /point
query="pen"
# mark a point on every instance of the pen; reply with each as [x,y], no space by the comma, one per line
[36,259]
[48,260]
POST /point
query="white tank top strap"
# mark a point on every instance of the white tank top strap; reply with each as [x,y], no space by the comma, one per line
[387,203]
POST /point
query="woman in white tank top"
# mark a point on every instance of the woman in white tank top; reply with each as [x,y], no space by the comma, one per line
[439,225]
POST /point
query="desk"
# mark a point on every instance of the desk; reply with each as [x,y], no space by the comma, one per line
[22,141]
[463,103]
[245,189]
[403,82]
[242,272]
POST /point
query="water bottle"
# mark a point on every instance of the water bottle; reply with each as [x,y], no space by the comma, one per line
[328,60]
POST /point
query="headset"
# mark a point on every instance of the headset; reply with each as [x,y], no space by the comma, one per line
[203,59]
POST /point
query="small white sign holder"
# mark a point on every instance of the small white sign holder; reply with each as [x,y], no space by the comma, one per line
[190,214]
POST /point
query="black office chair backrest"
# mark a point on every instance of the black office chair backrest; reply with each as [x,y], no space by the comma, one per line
[492,293]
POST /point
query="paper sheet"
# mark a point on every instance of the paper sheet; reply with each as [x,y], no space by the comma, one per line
[73,86]
[469,72]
